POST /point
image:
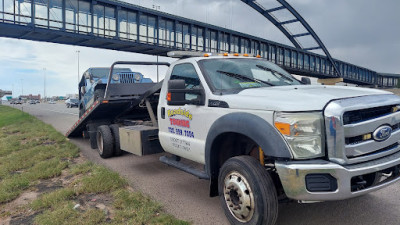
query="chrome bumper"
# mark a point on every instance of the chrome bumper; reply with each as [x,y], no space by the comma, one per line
[293,177]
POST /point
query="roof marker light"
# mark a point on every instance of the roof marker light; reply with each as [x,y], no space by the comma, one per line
[236,54]
[206,55]
[225,54]
[258,56]
[245,55]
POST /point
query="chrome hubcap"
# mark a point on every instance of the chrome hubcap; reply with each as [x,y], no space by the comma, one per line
[239,197]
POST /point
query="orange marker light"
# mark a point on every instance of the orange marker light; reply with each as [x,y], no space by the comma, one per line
[284,128]
[258,56]
[105,101]
[236,54]
[225,54]
[246,55]
[206,55]
[169,96]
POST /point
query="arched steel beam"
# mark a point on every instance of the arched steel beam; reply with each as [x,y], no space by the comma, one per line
[266,13]
[298,18]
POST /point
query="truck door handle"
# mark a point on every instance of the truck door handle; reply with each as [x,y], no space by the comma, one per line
[162,113]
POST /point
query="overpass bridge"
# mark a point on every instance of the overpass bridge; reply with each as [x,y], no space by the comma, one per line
[121,26]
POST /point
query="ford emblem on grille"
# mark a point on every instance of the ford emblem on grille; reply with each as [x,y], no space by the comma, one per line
[382,133]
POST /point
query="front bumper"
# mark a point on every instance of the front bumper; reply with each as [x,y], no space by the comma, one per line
[293,177]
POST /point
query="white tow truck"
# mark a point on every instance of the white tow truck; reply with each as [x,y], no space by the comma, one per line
[262,135]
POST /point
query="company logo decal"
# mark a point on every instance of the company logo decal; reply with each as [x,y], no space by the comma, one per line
[382,133]
[182,112]
[177,124]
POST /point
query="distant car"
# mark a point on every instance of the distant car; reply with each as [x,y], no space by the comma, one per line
[72,102]
[52,102]
[32,102]
[18,102]
[37,101]
[12,102]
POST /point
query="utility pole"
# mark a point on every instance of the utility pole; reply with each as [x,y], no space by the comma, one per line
[22,87]
[157,70]
[44,84]
[78,64]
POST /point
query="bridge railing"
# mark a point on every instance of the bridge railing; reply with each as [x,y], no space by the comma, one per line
[118,21]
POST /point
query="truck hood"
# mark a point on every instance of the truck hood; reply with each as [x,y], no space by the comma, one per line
[294,98]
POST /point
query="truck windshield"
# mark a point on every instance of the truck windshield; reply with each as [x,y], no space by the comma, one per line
[242,73]
[104,72]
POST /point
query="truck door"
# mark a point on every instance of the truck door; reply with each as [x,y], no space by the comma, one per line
[182,128]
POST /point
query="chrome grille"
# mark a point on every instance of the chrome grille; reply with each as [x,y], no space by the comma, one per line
[350,124]
[127,77]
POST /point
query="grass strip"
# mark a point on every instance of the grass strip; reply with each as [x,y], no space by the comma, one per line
[34,153]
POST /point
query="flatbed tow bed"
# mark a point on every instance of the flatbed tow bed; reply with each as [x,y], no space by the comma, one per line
[111,110]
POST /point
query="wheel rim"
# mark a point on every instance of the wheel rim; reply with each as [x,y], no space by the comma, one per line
[238,196]
[100,143]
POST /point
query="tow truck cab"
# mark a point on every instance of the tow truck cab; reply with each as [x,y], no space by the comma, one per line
[259,133]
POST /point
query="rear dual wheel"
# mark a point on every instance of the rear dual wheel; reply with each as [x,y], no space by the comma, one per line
[105,141]
[108,141]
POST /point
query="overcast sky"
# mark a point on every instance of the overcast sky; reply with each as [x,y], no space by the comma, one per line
[363,32]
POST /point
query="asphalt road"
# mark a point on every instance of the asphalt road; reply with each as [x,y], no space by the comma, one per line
[186,197]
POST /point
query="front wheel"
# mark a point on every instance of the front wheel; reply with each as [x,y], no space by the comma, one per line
[247,192]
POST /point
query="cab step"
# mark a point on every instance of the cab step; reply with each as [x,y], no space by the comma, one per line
[175,162]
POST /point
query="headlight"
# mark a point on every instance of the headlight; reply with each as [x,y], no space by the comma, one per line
[137,77]
[303,132]
[115,77]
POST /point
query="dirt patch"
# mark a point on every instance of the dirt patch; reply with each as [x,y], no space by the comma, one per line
[46,186]
[23,219]
[22,200]
[18,214]
[102,202]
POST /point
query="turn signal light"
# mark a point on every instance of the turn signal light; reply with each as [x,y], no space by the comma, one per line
[105,101]
[169,96]
[284,128]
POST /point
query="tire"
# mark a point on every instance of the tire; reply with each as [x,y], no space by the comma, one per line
[93,140]
[99,94]
[247,192]
[105,141]
[115,132]
[68,106]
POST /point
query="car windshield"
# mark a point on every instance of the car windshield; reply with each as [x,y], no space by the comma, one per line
[241,73]
[104,72]
[74,100]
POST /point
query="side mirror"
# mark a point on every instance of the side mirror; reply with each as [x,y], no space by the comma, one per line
[177,93]
[306,80]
